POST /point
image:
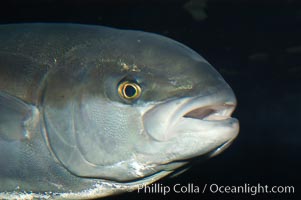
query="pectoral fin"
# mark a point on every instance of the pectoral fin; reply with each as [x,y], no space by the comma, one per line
[16,118]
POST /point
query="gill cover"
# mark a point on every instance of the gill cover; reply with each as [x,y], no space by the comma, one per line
[87,133]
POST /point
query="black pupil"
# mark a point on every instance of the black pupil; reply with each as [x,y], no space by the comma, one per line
[130,91]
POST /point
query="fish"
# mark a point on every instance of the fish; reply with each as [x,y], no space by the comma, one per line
[88,111]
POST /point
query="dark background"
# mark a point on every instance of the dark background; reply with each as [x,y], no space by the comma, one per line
[255,45]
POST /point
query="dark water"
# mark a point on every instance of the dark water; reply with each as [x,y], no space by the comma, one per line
[256,46]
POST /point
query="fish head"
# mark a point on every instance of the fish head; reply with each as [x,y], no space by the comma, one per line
[142,109]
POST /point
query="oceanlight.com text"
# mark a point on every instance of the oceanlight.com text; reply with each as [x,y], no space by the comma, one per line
[191,188]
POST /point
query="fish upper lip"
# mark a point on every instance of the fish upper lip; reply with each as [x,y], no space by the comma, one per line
[217,112]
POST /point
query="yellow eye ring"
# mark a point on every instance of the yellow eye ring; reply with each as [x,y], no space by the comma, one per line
[129,90]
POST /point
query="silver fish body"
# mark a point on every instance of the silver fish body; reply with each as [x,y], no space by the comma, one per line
[89,111]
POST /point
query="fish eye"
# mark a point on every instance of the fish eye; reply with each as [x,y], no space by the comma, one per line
[129,90]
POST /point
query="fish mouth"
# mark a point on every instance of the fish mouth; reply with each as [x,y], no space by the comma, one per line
[195,115]
[212,112]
